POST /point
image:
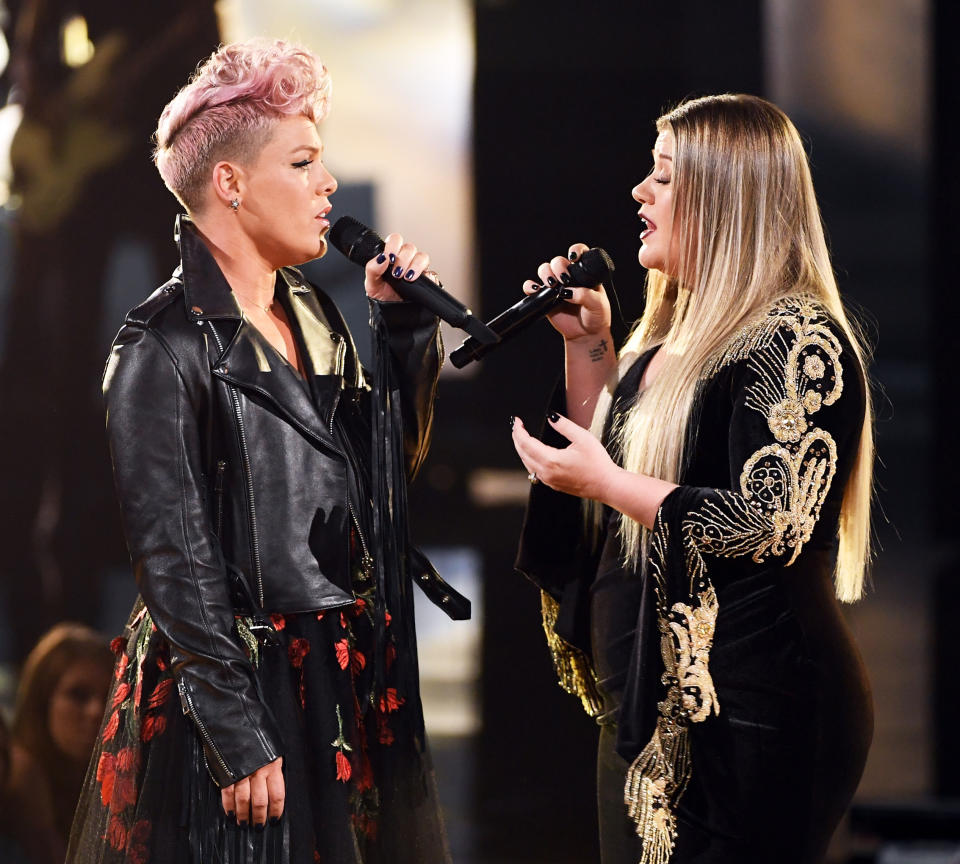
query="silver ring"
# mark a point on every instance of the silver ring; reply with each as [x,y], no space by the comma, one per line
[533,478]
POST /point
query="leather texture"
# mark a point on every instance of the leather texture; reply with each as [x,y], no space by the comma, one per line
[229,466]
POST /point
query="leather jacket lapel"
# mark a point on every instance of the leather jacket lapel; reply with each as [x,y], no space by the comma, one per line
[249,363]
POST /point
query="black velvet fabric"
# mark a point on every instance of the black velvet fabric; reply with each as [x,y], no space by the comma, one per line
[774,770]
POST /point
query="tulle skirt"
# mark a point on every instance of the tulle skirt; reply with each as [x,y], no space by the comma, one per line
[359,786]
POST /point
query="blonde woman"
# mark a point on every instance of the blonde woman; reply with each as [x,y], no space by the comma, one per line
[725,464]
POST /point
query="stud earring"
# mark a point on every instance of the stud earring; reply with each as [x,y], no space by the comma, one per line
[235,204]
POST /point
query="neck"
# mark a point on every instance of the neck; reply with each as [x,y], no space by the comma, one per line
[250,276]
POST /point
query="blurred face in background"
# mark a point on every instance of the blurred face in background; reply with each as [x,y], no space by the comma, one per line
[76,708]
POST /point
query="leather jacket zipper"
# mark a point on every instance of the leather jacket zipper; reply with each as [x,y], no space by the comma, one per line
[248,474]
[218,490]
[186,702]
[367,560]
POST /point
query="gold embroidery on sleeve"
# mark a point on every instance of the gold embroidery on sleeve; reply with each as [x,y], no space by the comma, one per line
[796,361]
[574,671]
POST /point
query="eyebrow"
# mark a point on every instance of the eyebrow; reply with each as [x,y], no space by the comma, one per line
[310,148]
[661,155]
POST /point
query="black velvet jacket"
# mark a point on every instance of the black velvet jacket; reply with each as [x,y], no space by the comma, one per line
[739,681]
[237,487]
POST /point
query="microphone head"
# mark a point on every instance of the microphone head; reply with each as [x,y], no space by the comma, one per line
[595,266]
[355,240]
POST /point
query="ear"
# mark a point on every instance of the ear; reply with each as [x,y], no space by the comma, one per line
[227,182]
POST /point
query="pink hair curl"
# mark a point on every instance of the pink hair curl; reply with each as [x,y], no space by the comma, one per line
[229,106]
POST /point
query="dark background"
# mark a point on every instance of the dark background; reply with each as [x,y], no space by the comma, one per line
[565,99]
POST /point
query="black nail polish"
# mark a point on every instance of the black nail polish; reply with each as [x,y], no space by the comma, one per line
[231,814]
[243,823]
[565,293]
[274,821]
[392,257]
[259,827]
[398,272]
[565,278]
[409,275]
[573,256]
[553,416]
[381,258]
[551,281]
[536,287]
[512,420]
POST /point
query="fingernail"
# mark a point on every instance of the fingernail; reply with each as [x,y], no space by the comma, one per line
[409,275]
[536,287]
[243,823]
[392,257]
[259,827]
[274,821]
[565,278]
[231,814]
[551,281]
[512,419]
[565,293]
[573,256]
[398,271]
[381,258]
[553,416]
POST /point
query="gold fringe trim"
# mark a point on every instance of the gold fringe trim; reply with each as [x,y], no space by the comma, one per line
[574,671]
[655,782]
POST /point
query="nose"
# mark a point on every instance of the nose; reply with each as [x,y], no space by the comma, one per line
[639,194]
[326,183]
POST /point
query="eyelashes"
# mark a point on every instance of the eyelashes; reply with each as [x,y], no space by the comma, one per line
[303,163]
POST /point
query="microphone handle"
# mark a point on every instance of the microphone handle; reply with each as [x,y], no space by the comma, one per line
[424,292]
[508,323]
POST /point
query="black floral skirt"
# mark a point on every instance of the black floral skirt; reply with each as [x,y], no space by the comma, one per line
[359,786]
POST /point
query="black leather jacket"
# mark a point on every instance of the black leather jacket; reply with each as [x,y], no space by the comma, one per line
[230,469]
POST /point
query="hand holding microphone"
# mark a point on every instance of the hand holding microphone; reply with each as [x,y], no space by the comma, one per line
[361,244]
[575,279]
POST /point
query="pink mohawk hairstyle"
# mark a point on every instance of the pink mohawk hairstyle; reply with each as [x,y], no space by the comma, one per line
[228,108]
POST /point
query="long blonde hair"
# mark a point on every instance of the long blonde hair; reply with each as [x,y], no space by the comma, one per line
[751,234]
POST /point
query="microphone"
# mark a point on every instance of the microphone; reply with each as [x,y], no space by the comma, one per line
[595,266]
[360,243]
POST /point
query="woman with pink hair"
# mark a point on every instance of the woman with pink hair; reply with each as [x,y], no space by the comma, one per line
[265,705]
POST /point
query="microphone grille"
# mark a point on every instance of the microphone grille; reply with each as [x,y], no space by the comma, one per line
[595,265]
[354,239]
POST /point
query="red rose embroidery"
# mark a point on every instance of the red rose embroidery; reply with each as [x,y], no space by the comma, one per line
[387,617]
[121,693]
[124,793]
[299,648]
[160,693]
[112,725]
[390,701]
[359,606]
[117,833]
[153,725]
[343,767]
[118,644]
[122,666]
[279,622]
[357,661]
[384,732]
[138,692]
[343,621]
[125,759]
[137,843]
[343,653]
[106,776]
[161,663]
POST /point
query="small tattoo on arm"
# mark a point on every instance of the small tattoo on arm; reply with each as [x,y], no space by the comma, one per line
[599,351]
